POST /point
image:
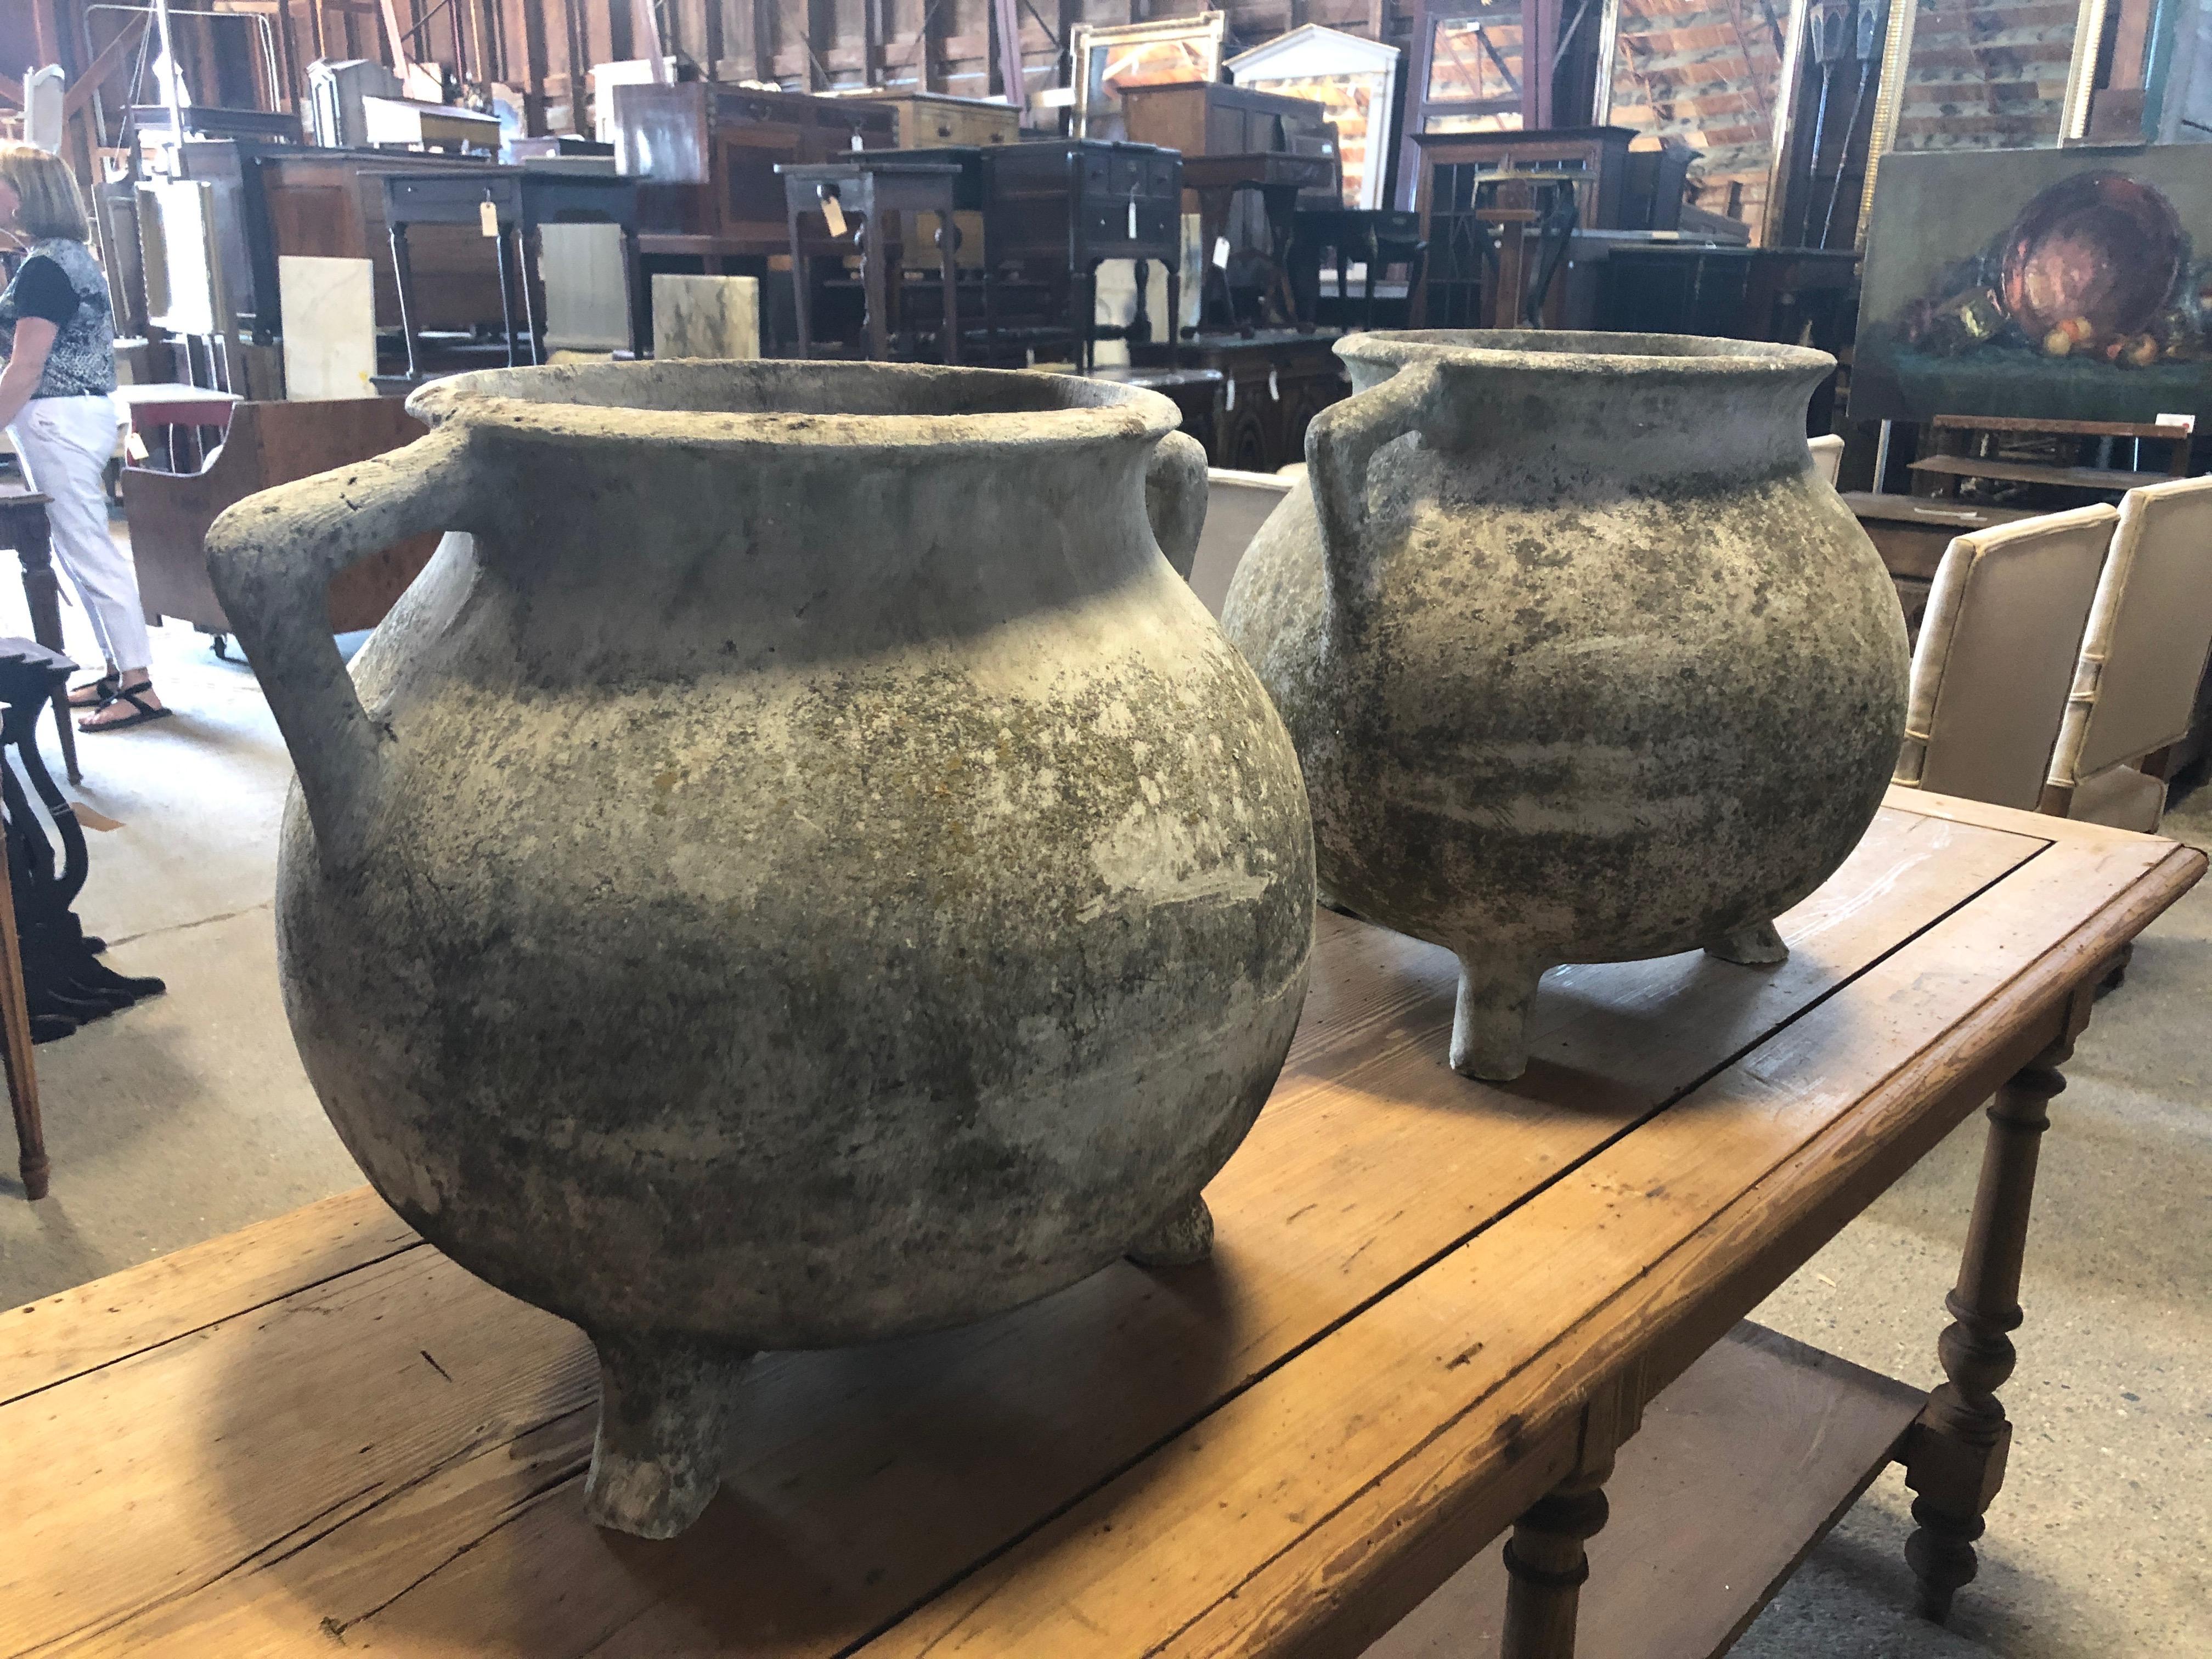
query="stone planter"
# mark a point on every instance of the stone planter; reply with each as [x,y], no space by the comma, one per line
[1583,660]
[801,869]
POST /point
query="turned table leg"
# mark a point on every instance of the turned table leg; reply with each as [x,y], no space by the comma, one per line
[1546,1565]
[1956,1458]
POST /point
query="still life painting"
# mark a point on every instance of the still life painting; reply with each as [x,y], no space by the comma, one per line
[2053,284]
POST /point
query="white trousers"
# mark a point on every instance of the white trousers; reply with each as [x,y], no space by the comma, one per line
[64,444]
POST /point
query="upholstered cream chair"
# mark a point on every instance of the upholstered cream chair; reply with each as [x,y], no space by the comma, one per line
[1828,457]
[1236,505]
[2142,661]
[1996,653]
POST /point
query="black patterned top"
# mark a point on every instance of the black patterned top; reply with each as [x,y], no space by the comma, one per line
[83,361]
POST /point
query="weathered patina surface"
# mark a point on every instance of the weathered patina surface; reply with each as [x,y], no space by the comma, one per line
[1584,661]
[802,868]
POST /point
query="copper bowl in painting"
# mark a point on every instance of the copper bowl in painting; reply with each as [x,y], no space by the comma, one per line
[2099,246]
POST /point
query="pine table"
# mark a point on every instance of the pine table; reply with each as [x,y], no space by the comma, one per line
[1437,1314]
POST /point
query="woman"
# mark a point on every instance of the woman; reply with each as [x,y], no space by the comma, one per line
[58,333]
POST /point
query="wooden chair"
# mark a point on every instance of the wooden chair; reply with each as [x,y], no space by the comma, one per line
[2142,659]
[1236,505]
[1828,457]
[1996,656]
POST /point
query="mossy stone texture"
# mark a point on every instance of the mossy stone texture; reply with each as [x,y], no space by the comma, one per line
[1584,661]
[801,867]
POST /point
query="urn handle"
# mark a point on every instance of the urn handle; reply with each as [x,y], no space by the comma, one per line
[272,556]
[1175,498]
[1340,444]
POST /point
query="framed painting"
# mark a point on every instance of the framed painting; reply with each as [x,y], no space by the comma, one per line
[2053,284]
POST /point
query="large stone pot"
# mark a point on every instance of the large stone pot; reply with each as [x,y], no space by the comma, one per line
[1584,661]
[802,869]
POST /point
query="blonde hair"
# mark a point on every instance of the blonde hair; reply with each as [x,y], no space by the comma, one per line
[50,205]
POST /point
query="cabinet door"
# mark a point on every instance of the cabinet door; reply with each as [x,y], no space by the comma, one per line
[751,194]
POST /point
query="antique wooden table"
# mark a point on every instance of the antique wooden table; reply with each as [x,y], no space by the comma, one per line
[1435,1309]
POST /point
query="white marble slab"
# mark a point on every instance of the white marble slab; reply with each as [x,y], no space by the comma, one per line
[706,316]
[328,310]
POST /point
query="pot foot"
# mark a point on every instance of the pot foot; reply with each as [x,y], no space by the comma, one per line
[1490,1025]
[664,1405]
[1756,946]
[1182,1240]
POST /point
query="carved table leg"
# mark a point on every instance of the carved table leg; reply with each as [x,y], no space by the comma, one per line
[1956,1457]
[1546,1565]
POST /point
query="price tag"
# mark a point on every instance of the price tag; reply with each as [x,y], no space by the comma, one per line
[1221,253]
[2178,422]
[833,211]
[488,218]
[1274,391]
[1133,218]
[1230,400]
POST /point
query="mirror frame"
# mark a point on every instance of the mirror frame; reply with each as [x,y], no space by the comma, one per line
[1897,54]
[1209,29]
[1781,141]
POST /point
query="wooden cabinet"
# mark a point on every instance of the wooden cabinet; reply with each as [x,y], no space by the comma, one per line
[705,156]
[1059,206]
[1457,171]
[1271,386]
[927,119]
[1204,119]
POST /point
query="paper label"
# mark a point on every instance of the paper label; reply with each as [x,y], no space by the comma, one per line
[488,218]
[1230,402]
[1221,253]
[1274,391]
[2178,422]
[1133,218]
[833,211]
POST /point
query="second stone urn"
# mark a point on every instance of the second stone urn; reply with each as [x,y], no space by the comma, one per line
[801,868]
[1584,661]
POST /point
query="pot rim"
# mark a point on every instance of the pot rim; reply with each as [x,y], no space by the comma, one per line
[1564,351]
[551,399]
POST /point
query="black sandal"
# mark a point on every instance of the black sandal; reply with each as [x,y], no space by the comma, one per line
[94,694]
[147,711]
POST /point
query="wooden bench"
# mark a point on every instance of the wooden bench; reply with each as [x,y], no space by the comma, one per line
[1436,1311]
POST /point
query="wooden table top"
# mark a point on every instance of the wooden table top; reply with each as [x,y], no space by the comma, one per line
[320,1435]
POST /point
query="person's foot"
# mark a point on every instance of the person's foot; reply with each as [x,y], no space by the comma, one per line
[134,703]
[92,694]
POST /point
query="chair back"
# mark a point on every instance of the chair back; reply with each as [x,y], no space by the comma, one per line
[2150,634]
[1827,458]
[1236,505]
[1996,653]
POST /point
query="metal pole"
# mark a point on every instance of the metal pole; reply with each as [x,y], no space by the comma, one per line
[169,98]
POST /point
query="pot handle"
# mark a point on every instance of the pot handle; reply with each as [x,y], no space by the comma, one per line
[1175,498]
[1340,444]
[272,558]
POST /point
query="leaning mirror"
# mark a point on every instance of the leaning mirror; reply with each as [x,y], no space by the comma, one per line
[1719,80]
[1984,75]
[1164,53]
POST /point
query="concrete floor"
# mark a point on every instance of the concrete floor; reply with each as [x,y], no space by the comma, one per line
[189,1116]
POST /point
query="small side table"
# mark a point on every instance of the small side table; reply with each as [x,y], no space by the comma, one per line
[1377,233]
[23,526]
[460,198]
[1279,176]
[852,194]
